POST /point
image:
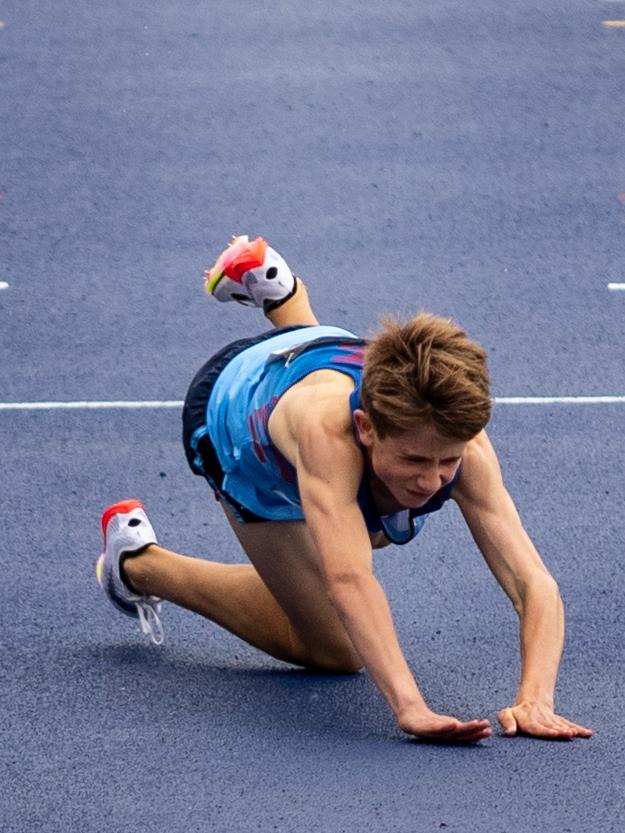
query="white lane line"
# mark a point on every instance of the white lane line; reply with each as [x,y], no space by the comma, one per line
[615,287]
[81,406]
[4,285]
[178,403]
[559,400]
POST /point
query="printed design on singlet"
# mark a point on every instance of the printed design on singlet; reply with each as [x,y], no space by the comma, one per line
[258,422]
[351,355]
[256,444]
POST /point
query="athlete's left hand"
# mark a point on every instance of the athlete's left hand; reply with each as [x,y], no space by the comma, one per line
[540,721]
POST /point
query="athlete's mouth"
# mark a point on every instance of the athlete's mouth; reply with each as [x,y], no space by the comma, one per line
[423,496]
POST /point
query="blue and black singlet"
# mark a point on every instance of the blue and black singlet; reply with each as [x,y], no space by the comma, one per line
[256,473]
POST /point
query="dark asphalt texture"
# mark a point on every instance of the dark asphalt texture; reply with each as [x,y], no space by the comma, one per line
[466,158]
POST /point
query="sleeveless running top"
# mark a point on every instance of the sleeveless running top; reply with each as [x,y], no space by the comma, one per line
[256,473]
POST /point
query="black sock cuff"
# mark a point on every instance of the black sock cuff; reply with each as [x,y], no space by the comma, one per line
[269,306]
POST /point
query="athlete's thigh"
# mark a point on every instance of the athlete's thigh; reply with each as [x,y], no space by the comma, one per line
[286,558]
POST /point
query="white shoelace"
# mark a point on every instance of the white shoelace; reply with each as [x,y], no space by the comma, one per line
[148,610]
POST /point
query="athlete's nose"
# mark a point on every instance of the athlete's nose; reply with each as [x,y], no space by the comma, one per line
[431,481]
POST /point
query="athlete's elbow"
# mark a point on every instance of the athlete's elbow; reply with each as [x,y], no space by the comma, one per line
[542,589]
[343,582]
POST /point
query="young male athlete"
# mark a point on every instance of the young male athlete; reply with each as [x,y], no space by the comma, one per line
[321,446]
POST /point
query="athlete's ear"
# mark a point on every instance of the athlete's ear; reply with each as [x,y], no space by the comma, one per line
[364,426]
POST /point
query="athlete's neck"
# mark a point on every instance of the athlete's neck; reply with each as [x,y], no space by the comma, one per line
[384,501]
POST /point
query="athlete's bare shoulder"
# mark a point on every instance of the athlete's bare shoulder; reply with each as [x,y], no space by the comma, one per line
[318,404]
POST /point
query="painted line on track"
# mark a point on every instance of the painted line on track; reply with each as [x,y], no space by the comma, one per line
[559,400]
[616,287]
[147,404]
[92,405]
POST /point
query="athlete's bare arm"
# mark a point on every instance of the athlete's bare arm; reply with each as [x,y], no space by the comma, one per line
[322,395]
[329,468]
[498,532]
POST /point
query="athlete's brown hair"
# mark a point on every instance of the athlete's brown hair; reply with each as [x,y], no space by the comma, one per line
[426,370]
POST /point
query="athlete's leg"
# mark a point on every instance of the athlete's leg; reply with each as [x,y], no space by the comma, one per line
[295,310]
[279,604]
[291,619]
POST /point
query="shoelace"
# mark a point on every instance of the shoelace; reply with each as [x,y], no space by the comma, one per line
[148,610]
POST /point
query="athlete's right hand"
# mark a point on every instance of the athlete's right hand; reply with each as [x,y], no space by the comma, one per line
[442,728]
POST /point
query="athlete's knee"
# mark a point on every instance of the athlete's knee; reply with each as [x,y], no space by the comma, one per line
[345,665]
[335,654]
[336,661]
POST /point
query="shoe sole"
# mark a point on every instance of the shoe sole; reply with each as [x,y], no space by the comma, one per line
[214,283]
[99,570]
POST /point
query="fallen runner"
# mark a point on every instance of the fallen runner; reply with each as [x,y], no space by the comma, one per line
[320,447]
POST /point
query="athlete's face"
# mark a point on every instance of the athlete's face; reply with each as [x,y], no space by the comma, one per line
[414,465]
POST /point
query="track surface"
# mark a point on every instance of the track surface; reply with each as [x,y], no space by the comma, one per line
[464,158]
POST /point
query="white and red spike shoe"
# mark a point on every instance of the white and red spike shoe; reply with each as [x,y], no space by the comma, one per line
[127,530]
[251,273]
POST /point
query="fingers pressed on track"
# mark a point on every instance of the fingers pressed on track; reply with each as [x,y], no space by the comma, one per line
[471,732]
[580,731]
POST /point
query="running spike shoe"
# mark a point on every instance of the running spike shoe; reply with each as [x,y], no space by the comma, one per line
[127,530]
[251,273]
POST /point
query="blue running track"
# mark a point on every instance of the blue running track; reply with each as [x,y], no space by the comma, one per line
[466,158]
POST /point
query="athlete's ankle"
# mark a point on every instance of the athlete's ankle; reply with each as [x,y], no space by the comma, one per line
[135,569]
[272,306]
[295,310]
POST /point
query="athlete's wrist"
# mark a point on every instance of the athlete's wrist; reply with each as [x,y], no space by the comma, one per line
[407,704]
[533,695]
[409,712]
[536,691]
